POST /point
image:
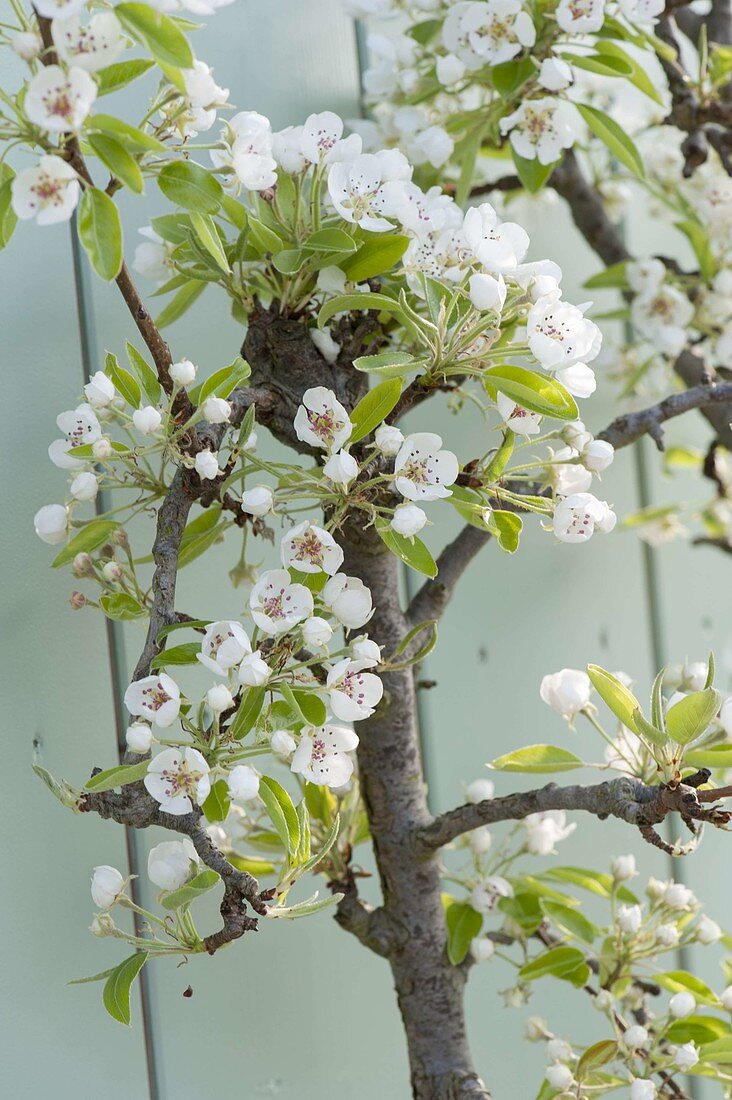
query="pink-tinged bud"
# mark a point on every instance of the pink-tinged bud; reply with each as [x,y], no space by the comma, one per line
[120,537]
[112,572]
[77,600]
[83,565]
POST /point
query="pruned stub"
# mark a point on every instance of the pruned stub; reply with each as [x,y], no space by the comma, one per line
[284,359]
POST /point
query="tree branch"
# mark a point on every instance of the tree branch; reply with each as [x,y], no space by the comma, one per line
[588,211]
[625,798]
[434,595]
[627,428]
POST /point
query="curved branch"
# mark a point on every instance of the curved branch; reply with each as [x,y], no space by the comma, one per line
[627,428]
[625,798]
[434,595]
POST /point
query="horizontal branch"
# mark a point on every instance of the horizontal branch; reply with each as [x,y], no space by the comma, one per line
[627,428]
[628,799]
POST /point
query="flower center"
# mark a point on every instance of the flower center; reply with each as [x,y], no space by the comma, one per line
[308,547]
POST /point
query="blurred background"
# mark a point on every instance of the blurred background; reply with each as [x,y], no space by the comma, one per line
[300,1011]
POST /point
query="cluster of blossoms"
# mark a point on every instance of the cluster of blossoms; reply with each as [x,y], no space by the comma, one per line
[448,69]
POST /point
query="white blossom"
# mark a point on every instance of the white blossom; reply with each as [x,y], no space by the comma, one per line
[668,935]
[624,868]
[555,74]
[178,778]
[630,918]
[487,293]
[219,698]
[107,886]
[138,737]
[207,465]
[544,830]
[59,101]
[678,896]
[58,9]
[341,468]
[27,45]
[559,1050]
[578,516]
[320,139]
[282,743]
[92,46]
[216,410]
[662,316]
[287,149]
[99,390]
[322,755]
[147,420]
[353,692]
[643,1089]
[152,259]
[480,790]
[84,486]
[224,645]
[257,501]
[154,697]
[254,670]
[597,455]
[488,893]
[540,129]
[559,1076]
[408,519]
[172,863]
[51,523]
[311,549]
[516,417]
[635,1037]
[349,599]
[685,1056]
[326,345]
[183,372]
[316,632]
[360,191]
[480,840]
[450,69]
[726,998]
[708,931]
[482,948]
[681,1005]
[559,334]
[243,782]
[321,420]
[277,605]
[580,16]
[388,439]
[498,246]
[422,469]
[364,649]
[247,151]
[567,692]
[48,192]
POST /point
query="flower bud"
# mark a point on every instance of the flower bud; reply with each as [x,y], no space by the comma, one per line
[630,918]
[341,468]
[480,840]
[107,886]
[77,600]
[147,420]
[365,649]
[482,948]
[536,1029]
[667,935]
[559,1050]
[207,465]
[120,538]
[51,523]
[102,925]
[408,520]
[26,45]
[681,1005]
[623,868]
[643,1089]
[99,390]
[253,671]
[250,443]
[219,698]
[388,439]
[708,931]
[635,1037]
[726,998]
[216,411]
[685,1056]
[257,501]
[139,738]
[576,435]
[102,449]
[316,631]
[183,373]
[243,782]
[567,692]
[479,790]
[559,1076]
[112,572]
[597,455]
[487,292]
[678,896]
[83,565]
[172,864]
[283,743]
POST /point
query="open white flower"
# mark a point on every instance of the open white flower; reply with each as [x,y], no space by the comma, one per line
[311,550]
[360,191]
[178,778]
[497,30]
[578,516]
[207,465]
[59,101]
[51,523]
[353,692]
[662,315]
[321,420]
[224,645]
[48,192]
[172,863]
[567,692]
[422,469]
[349,599]
[580,16]
[91,46]
[153,260]
[541,128]
[489,892]
[322,755]
[99,390]
[247,152]
[544,830]
[156,698]
[516,417]
[321,139]
[498,246]
[277,605]
[559,334]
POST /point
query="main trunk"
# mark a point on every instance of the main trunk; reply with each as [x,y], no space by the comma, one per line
[429,989]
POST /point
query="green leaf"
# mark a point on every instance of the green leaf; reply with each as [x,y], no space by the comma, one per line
[697,1029]
[128,135]
[614,137]
[118,160]
[205,229]
[617,696]
[118,776]
[532,173]
[571,921]
[311,707]
[594,881]
[537,392]
[289,260]
[196,888]
[123,380]
[500,459]
[614,277]
[412,552]
[217,805]
[506,527]
[89,538]
[648,730]
[509,76]
[524,909]
[121,607]
[374,407]
[681,981]
[639,76]
[157,32]
[330,240]
[375,256]
[388,364]
[249,710]
[264,239]
[463,925]
[113,77]
[146,376]
[599,1054]
[180,303]
[187,184]
[716,756]
[321,803]
[186,654]
[595,63]
[8,217]
[350,303]
[281,812]
[691,716]
[303,908]
[116,992]
[222,381]
[698,237]
[537,760]
[100,232]
[559,962]
[173,228]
